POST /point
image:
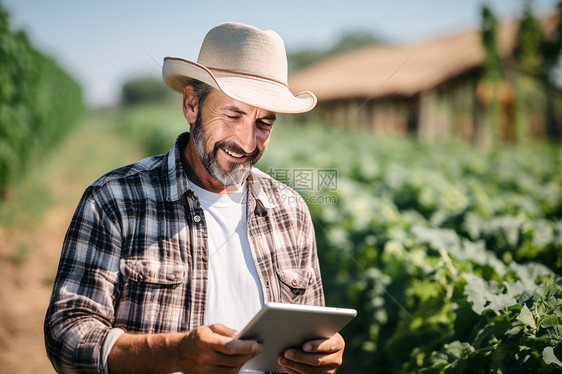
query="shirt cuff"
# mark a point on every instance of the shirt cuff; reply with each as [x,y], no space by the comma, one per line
[110,339]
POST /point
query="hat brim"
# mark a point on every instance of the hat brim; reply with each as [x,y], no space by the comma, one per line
[256,91]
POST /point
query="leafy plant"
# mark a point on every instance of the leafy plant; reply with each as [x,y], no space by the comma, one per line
[39,102]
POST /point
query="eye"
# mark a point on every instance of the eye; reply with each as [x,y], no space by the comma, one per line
[265,125]
[232,117]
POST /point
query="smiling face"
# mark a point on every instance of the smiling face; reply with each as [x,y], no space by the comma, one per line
[229,137]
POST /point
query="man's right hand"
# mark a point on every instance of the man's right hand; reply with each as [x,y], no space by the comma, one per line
[213,349]
[205,349]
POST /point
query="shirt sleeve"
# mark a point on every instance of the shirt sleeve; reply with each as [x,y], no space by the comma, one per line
[81,309]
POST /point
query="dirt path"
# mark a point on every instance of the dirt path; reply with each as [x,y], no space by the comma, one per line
[25,291]
[29,252]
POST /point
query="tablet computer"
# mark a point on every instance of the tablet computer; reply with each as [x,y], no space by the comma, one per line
[280,326]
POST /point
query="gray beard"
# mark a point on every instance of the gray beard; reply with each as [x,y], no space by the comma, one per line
[236,174]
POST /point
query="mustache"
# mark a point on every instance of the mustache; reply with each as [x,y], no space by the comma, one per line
[235,148]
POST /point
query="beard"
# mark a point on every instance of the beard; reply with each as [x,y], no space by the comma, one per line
[237,172]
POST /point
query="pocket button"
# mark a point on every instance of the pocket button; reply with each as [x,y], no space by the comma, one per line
[294,283]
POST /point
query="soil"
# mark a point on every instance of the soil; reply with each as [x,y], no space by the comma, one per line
[25,290]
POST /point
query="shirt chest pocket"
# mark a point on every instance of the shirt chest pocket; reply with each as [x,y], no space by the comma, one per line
[295,285]
[147,280]
[152,296]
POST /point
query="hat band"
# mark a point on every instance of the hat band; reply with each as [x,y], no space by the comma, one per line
[248,75]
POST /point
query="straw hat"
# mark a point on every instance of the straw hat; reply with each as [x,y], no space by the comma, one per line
[246,63]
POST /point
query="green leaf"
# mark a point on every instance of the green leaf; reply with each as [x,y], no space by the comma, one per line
[452,358]
[486,295]
[526,316]
[458,350]
[550,321]
[550,358]
[554,334]
[439,360]
[513,331]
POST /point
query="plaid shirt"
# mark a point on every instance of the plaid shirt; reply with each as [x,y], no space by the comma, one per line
[135,257]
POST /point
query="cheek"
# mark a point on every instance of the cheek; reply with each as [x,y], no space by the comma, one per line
[263,140]
[217,126]
[215,131]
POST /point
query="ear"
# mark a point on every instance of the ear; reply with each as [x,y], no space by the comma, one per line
[190,104]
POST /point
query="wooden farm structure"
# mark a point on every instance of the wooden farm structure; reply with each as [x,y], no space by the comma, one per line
[432,89]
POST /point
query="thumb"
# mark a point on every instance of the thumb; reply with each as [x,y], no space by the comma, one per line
[221,329]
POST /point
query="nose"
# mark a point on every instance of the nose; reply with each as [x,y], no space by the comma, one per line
[247,136]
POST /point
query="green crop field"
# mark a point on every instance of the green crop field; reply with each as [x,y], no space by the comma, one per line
[450,254]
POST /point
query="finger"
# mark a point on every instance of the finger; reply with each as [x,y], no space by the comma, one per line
[227,345]
[206,349]
[289,370]
[330,360]
[209,358]
[298,367]
[230,361]
[333,344]
[241,347]
[223,330]
[283,362]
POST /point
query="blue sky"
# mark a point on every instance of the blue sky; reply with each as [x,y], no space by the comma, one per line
[105,42]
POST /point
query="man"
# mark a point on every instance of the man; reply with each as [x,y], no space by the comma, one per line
[166,258]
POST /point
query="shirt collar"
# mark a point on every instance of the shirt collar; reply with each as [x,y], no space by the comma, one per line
[177,181]
[257,189]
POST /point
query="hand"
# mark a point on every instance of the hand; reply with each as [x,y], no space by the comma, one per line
[316,356]
[213,349]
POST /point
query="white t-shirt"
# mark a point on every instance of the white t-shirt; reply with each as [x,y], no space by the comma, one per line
[234,293]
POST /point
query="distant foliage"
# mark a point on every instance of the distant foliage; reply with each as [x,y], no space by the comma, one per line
[145,90]
[493,69]
[302,59]
[538,54]
[530,40]
[536,57]
[39,102]
[517,93]
[153,126]
[553,48]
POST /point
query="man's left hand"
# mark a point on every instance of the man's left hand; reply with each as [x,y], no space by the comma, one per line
[316,356]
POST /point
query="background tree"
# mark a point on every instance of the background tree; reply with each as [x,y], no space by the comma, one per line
[39,103]
[307,57]
[530,71]
[490,86]
[145,90]
[552,49]
[537,56]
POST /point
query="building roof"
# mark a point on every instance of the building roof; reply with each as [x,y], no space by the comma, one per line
[398,70]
